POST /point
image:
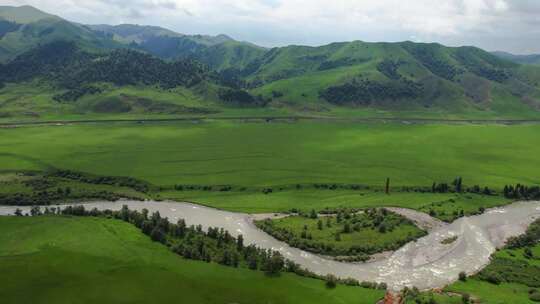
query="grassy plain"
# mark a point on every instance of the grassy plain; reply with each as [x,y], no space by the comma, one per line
[253,156]
[95,260]
[269,154]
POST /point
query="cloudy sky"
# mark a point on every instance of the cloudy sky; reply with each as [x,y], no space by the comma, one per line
[509,25]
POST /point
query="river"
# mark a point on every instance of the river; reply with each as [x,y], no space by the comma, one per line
[426,263]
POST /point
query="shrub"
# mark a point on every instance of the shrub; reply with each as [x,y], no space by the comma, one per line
[535,296]
[493,278]
[331,281]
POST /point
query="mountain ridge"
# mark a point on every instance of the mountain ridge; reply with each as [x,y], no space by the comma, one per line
[521,59]
[390,76]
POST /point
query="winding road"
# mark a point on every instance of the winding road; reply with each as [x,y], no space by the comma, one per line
[426,263]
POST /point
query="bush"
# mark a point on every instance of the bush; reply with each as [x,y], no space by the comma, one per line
[331,281]
[462,276]
[493,278]
[535,296]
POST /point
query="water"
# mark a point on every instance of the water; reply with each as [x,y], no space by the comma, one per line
[425,263]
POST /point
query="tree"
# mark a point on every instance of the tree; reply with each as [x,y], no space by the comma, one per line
[465,298]
[387,188]
[144,213]
[313,214]
[457,183]
[331,281]
[320,225]
[253,262]
[124,213]
[274,264]
[347,228]
[235,259]
[180,229]
[35,211]
[527,253]
[506,191]
[462,276]
[492,277]
[339,217]
[157,235]
[240,242]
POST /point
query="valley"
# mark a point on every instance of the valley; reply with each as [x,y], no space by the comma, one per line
[143,165]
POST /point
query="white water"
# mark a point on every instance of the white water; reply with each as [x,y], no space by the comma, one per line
[425,263]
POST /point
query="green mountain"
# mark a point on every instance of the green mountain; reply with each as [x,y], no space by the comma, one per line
[23,28]
[78,63]
[73,79]
[218,52]
[24,14]
[393,75]
[129,33]
[521,59]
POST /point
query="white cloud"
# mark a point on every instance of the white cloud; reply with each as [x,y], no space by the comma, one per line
[486,23]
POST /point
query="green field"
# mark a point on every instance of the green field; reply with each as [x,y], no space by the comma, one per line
[345,234]
[254,156]
[95,260]
[268,154]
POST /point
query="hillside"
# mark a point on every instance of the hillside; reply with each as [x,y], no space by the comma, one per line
[521,59]
[24,14]
[218,52]
[23,28]
[336,79]
[393,75]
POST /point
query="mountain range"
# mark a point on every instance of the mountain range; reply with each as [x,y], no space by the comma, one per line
[522,59]
[103,68]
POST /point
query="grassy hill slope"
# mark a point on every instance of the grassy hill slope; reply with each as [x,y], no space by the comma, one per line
[395,76]
[91,260]
[218,52]
[521,59]
[34,27]
[348,78]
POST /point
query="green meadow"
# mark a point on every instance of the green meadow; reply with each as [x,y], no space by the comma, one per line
[289,158]
[269,154]
[96,260]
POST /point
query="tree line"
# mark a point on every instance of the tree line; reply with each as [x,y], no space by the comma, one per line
[521,192]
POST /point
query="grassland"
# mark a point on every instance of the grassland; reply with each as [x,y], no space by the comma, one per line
[31,188]
[256,156]
[345,234]
[268,154]
[90,260]
[444,204]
